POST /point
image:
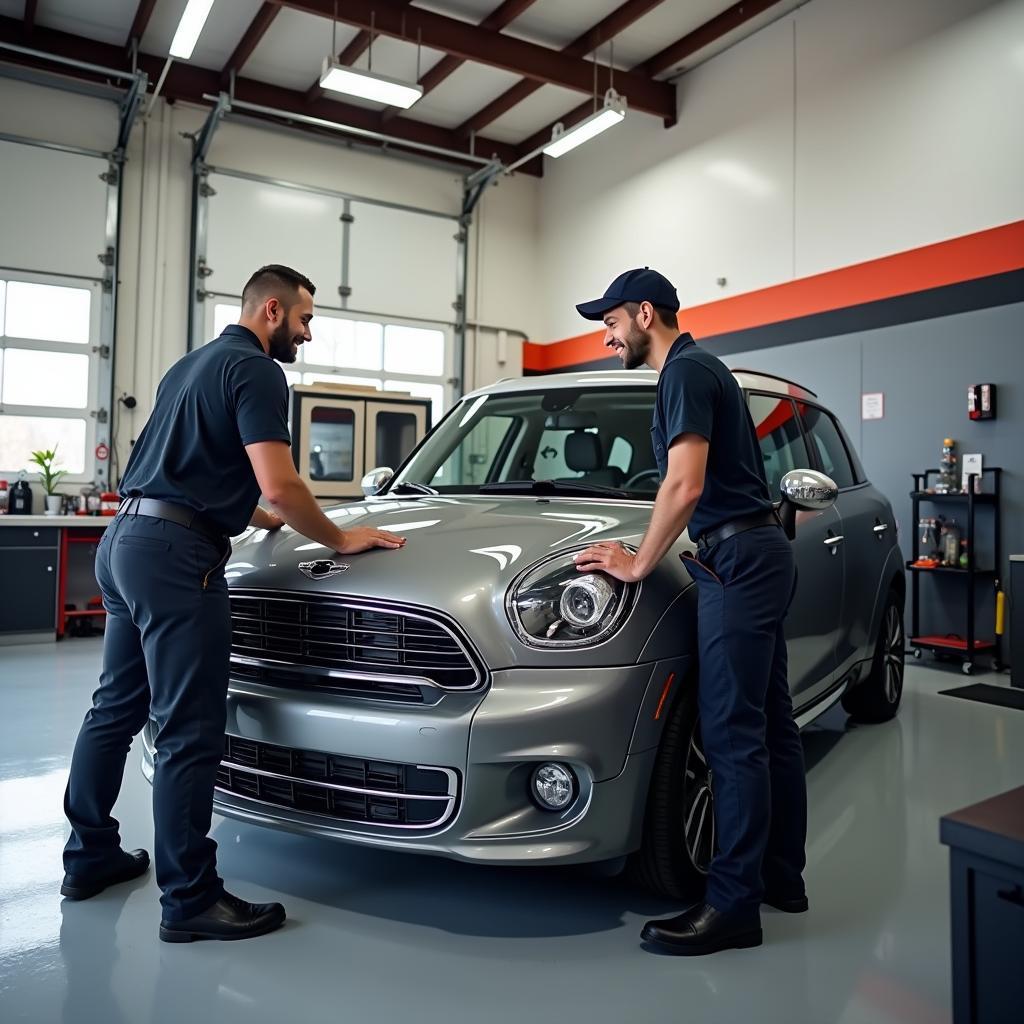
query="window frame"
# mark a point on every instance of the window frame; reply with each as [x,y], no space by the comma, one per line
[856,470]
[97,380]
[812,460]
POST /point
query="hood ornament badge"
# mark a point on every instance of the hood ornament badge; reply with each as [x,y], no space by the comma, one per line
[322,568]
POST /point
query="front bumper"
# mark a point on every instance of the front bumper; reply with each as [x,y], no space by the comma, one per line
[488,744]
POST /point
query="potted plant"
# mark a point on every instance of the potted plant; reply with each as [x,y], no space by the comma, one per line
[50,477]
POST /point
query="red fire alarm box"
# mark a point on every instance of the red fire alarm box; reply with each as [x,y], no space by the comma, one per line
[981,401]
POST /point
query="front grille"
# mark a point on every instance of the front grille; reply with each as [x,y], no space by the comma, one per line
[346,788]
[338,642]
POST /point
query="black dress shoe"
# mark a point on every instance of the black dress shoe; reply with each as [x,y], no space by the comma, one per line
[702,929]
[229,918]
[787,904]
[126,867]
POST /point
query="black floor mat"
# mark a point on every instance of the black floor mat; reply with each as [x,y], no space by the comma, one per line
[1005,697]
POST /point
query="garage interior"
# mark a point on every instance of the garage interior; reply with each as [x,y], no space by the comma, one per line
[835,191]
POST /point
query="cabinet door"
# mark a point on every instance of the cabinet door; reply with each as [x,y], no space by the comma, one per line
[392,431]
[329,453]
[35,608]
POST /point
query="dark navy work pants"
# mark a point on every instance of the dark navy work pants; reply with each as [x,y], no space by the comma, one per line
[165,657]
[744,586]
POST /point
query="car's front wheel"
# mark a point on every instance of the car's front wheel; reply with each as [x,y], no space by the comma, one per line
[877,697]
[679,826]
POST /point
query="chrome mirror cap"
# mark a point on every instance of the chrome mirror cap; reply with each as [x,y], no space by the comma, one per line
[808,489]
[376,480]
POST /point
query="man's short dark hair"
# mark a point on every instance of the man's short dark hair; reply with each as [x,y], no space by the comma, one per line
[666,316]
[275,280]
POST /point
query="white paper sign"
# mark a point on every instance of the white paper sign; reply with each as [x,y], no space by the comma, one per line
[872,406]
[971,464]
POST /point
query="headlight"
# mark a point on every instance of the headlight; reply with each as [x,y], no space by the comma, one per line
[554,605]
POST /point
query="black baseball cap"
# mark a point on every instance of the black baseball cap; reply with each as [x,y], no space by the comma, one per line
[642,285]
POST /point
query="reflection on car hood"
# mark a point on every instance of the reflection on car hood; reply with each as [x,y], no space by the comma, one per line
[458,550]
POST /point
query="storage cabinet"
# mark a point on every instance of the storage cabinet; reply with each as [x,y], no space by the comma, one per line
[28,568]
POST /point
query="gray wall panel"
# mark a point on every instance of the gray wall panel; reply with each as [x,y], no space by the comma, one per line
[924,369]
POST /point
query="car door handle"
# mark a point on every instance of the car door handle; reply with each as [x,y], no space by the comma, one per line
[881,528]
[829,541]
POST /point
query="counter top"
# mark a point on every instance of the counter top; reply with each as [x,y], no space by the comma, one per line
[96,522]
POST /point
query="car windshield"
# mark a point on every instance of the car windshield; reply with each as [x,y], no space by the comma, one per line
[586,442]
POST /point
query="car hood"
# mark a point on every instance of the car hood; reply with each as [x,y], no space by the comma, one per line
[455,546]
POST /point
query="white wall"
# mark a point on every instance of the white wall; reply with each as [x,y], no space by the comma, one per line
[841,133]
[153,308]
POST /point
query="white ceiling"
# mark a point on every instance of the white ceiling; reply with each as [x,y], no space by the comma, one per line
[291,52]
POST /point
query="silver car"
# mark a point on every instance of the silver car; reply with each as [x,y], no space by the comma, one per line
[472,695]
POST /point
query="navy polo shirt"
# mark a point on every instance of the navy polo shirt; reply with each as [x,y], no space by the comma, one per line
[209,406]
[698,395]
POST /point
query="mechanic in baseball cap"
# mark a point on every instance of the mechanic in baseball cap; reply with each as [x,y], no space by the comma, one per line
[714,486]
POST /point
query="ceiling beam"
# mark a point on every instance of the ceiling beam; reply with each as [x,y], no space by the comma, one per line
[30,15]
[708,33]
[140,22]
[498,19]
[189,83]
[608,28]
[250,40]
[355,49]
[470,42]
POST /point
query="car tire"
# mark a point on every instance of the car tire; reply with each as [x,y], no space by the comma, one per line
[671,862]
[877,697]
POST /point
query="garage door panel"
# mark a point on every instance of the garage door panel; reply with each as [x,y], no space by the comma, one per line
[53,210]
[253,223]
[402,263]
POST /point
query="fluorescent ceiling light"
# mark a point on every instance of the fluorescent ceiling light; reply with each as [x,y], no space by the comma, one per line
[191,24]
[368,85]
[563,141]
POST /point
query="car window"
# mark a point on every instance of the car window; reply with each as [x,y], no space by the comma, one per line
[590,434]
[779,435]
[621,454]
[551,462]
[828,443]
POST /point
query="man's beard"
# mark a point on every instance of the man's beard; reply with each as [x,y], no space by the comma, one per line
[280,346]
[637,347]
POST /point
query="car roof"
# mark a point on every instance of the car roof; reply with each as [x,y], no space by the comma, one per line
[753,380]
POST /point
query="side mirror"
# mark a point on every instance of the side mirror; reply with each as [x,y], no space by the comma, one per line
[806,489]
[376,480]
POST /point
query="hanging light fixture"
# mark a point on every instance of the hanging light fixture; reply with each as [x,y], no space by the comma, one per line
[192,21]
[367,85]
[563,140]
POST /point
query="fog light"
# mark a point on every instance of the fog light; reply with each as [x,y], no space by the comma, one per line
[554,786]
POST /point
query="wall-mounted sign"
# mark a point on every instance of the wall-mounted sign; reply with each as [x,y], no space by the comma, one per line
[872,406]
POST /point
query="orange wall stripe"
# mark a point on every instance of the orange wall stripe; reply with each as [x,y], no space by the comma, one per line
[994,251]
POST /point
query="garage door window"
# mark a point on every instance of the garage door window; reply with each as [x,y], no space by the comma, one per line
[368,354]
[49,357]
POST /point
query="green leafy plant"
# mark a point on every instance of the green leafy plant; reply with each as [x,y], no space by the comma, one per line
[49,476]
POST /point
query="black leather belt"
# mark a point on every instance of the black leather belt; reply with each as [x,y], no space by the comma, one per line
[734,526]
[179,514]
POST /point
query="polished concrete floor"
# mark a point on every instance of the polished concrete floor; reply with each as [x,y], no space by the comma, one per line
[387,937]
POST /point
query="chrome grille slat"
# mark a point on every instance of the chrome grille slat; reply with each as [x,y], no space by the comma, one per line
[323,637]
[337,786]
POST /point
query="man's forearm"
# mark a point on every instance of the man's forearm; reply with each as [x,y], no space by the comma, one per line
[673,508]
[263,519]
[298,508]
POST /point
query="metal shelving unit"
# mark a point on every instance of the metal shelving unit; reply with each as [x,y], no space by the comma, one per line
[967,647]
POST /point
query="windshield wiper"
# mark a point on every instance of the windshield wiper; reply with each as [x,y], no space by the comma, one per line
[411,487]
[568,487]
